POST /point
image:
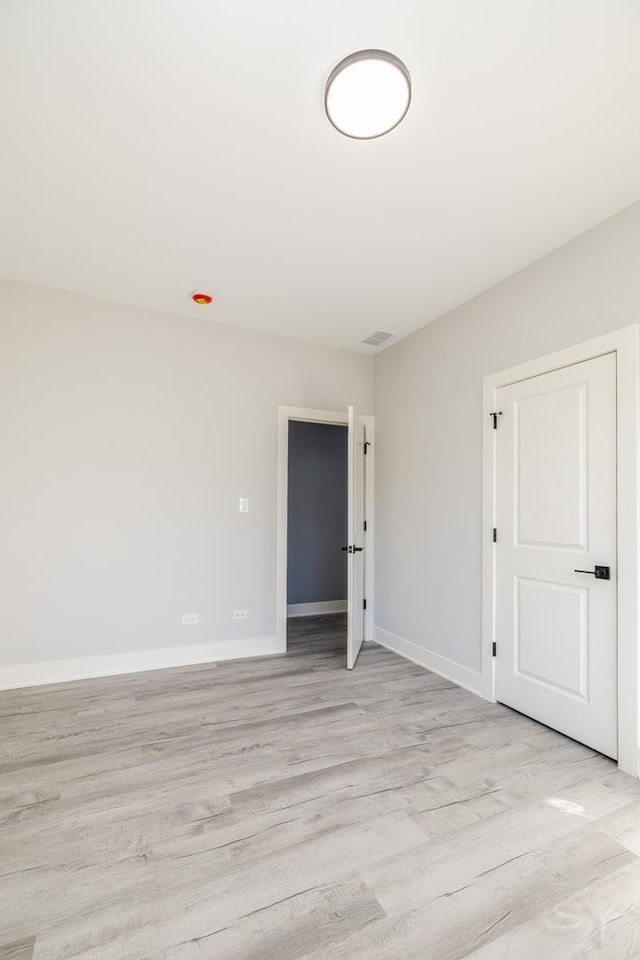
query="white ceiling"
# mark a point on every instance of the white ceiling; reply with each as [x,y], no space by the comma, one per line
[154,147]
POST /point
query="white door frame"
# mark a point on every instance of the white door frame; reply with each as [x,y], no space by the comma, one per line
[285,414]
[625,344]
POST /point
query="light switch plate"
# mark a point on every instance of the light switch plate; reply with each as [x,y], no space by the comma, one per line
[243,505]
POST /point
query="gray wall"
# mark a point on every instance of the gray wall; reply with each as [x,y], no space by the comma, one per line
[429,425]
[127,437]
[317,514]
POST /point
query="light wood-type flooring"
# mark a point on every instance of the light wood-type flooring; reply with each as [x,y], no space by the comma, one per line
[284,808]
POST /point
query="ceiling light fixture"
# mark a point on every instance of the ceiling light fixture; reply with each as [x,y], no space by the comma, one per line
[367,94]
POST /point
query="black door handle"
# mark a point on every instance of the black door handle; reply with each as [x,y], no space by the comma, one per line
[357,549]
[600,573]
[346,549]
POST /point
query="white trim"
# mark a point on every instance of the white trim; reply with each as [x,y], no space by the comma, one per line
[316,609]
[308,415]
[462,676]
[369,475]
[83,668]
[285,414]
[625,344]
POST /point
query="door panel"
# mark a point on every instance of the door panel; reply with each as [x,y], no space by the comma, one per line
[552,468]
[355,536]
[556,629]
[543,612]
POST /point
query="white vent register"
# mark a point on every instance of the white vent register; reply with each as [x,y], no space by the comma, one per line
[378,337]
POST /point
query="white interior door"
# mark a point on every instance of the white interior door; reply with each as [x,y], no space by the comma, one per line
[355,539]
[556,630]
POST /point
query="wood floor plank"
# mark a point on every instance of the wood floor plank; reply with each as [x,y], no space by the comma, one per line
[22,950]
[437,869]
[288,809]
[600,922]
[319,916]
[449,926]
[204,899]
[623,826]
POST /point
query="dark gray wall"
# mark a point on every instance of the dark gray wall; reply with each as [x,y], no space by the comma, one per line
[317,526]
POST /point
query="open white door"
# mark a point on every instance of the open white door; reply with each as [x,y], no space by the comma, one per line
[355,539]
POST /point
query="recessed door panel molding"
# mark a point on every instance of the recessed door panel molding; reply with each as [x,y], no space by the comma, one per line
[555,512]
[550,451]
[542,611]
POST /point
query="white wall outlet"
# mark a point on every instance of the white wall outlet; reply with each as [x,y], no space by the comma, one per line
[189,618]
[243,505]
[240,614]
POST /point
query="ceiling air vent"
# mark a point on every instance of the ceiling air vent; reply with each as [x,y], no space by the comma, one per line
[378,337]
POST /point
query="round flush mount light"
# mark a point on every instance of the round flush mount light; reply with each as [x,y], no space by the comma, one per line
[367,94]
[201,298]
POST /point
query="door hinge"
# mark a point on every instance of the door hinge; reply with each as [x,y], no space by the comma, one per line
[495,416]
[365,524]
[495,535]
[494,649]
[364,604]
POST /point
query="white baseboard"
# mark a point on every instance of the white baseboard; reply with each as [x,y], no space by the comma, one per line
[83,668]
[471,680]
[316,609]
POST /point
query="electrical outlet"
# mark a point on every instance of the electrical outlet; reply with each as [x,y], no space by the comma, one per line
[189,618]
[243,505]
[240,614]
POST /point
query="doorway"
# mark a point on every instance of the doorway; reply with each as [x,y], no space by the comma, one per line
[560,564]
[325,568]
[316,536]
[317,519]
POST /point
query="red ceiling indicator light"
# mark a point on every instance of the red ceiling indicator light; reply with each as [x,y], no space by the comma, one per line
[201,298]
